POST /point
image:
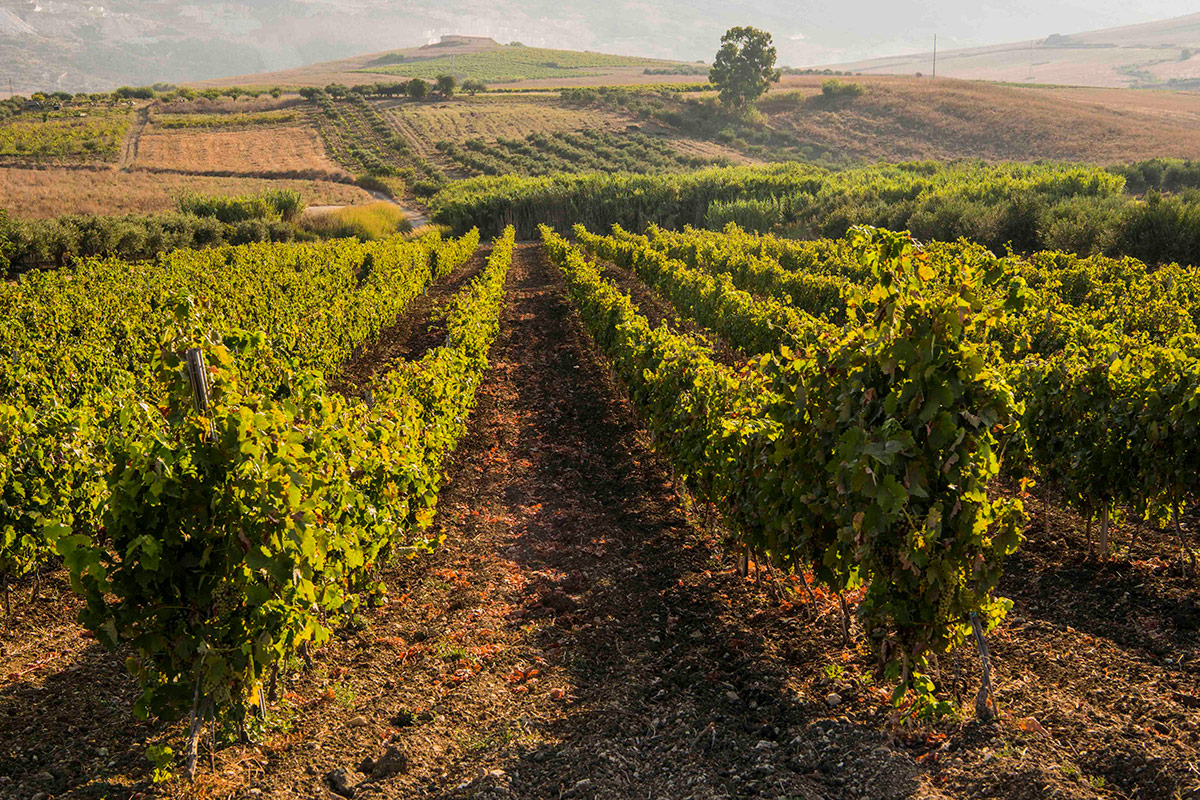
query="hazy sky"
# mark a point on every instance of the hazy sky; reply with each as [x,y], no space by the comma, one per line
[806,31]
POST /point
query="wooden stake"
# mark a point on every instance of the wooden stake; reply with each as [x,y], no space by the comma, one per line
[198,377]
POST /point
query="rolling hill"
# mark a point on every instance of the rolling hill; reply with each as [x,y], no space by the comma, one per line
[479,57]
[1164,54]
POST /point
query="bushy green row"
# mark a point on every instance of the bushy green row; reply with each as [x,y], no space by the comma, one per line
[752,325]
[865,455]
[1030,207]
[235,538]
[1103,353]
[79,343]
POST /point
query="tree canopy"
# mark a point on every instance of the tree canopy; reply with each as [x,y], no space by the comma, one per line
[744,67]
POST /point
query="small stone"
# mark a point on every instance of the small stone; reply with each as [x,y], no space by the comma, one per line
[358,722]
[342,781]
[732,696]
[582,786]
[392,762]
[833,699]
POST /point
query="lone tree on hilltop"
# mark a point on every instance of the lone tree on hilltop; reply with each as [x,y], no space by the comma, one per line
[744,67]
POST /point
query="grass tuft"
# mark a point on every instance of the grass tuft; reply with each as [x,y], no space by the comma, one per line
[368,222]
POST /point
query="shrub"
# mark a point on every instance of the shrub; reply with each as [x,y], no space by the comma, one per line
[834,89]
[473,85]
[283,204]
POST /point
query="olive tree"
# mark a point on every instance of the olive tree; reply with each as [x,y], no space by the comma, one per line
[418,89]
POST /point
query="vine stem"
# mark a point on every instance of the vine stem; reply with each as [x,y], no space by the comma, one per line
[7,599]
[812,598]
[1179,533]
[985,690]
[845,620]
[196,725]
[1104,534]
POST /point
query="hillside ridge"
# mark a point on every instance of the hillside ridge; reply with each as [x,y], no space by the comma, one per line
[1159,54]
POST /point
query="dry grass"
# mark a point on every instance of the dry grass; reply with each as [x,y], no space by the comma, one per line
[492,117]
[259,151]
[910,118]
[375,221]
[50,192]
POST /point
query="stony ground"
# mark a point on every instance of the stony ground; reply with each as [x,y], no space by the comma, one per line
[585,633]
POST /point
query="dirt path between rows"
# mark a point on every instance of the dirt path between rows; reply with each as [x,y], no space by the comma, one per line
[129,149]
[574,636]
[409,337]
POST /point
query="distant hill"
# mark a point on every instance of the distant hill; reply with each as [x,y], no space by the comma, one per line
[478,57]
[1164,54]
[83,45]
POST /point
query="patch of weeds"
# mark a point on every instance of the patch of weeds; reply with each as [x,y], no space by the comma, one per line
[163,758]
[834,672]
[473,745]
[343,695]
[451,654]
